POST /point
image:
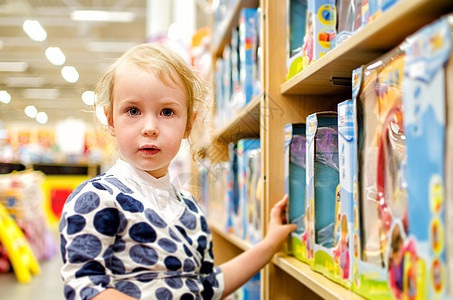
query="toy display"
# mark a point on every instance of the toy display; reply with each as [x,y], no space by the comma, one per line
[253,195]
[349,13]
[296,25]
[320,21]
[382,195]
[424,105]
[17,248]
[322,186]
[239,217]
[248,48]
[320,30]
[295,186]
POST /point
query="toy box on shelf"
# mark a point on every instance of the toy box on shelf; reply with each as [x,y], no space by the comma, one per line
[346,215]
[250,81]
[320,31]
[352,15]
[244,172]
[320,19]
[253,192]
[295,186]
[401,110]
[382,195]
[322,189]
[296,11]
[424,104]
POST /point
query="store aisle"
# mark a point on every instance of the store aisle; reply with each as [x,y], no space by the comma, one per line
[48,285]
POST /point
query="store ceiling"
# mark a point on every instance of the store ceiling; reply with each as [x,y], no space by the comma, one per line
[88,46]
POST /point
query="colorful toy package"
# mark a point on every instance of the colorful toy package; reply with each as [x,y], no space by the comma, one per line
[253,192]
[346,214]
[295,185]
[382,196]
[296,24]
[248,50]
[239,216]
[320,30]
[424,98]
[349,14]
[322,187]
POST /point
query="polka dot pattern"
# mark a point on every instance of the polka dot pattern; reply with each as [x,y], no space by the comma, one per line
[112,235]
[189,220]
[172,263]
[128,203]
[167,244]
[90,268]
[106,221]
[142,233]
[143,255]
[75,224]
[86,203]
[128,288]
[84,247]
[102,187]
[154,218]
[164,294]
[88,293]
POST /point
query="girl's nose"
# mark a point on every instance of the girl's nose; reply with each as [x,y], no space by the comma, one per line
[150,127]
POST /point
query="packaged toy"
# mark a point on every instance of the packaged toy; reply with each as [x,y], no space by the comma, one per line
[248,47]
[239,216]
[320,30]
[295,186]
[382,195]
[424,101]
[253,195]
[296,24]
[322,187]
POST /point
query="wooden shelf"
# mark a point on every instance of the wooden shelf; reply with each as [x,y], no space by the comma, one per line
[319,284]
[379,36]
[230,237]
[245,125]
[223,38]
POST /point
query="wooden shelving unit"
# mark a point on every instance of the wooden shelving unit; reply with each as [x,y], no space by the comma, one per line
[292,101]
[382,34]
[245,125]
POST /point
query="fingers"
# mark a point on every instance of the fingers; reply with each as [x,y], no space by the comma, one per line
[283,201]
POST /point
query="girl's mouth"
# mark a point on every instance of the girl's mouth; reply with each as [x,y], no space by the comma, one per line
[149,150]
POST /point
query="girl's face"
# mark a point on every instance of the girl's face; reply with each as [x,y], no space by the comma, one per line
[148,119]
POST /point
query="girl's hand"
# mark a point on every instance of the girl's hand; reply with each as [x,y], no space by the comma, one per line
[278,230]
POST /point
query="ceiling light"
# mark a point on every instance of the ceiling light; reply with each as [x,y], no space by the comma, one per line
[31,111]
[13,66]
[55,56]
[41,93]
[88,97]
[70,74]
[24,81]
[100,114]
[5,97]
[102,16]
[34,30]
[41,117]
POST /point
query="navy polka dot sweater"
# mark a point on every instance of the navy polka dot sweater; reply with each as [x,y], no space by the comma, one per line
[118,231]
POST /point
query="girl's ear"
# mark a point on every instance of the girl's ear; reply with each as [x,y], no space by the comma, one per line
[109,115]
[189,125]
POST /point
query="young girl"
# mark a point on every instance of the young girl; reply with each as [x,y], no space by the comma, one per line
[129,233]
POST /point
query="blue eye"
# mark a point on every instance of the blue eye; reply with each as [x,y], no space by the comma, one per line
[167,112]
[133,111]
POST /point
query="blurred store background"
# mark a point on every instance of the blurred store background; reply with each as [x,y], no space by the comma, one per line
[52,53]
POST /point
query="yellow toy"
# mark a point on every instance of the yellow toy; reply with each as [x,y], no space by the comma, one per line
[19,252]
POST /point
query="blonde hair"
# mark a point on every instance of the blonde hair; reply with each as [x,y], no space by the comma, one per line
[165,64]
